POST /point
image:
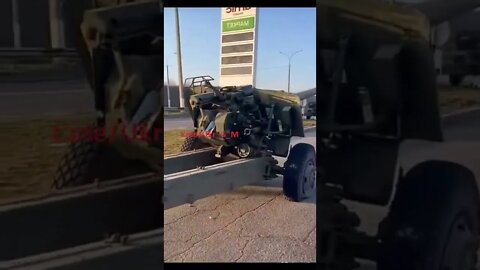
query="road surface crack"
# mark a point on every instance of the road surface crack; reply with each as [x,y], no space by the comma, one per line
[250,211]
[203,210]
[308,234]
[242,251]
[182,217]
[227,225]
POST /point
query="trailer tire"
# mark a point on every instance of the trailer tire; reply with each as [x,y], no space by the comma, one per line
[86,162]
[433,222]
[191,143]
[299,176]
[73,165]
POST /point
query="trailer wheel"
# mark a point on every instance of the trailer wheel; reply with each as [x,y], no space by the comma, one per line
[85,162]
[433,222]
[455,79]
[299,177]
[191,143]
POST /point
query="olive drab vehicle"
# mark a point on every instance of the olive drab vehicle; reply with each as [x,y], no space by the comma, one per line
[242,120]
[376,88]
[121,46]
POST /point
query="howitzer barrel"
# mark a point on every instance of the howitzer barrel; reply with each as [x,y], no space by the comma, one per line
[307,93]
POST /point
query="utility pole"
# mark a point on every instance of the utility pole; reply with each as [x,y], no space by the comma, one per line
[289,64]
[168,89]
[179,60]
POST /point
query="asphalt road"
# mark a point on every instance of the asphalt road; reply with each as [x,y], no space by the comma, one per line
[184,123]
[37,100]
[253,224]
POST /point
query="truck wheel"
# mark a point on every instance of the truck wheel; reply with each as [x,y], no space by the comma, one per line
[299,177]
[86,161]
[433,221]
[308,117]
[191,143]
[455,79]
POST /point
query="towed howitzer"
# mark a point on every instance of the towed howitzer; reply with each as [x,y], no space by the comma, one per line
[120,44]
[306,93]
[243,120]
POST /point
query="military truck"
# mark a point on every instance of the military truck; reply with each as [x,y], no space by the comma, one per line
[377,89]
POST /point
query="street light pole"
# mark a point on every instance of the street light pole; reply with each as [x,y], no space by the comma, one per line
[179,60]
[168,89]
[168,85]
[289,65]
[288,75]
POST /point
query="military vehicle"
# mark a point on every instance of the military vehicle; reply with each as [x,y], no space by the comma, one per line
[265,119]
[309,101]
[239,130]
[377,88]
[310,107]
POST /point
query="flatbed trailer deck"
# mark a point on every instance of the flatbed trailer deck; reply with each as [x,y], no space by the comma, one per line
[198,174]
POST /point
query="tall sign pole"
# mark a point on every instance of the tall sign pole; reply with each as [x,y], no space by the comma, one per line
[179,60]
[238,41]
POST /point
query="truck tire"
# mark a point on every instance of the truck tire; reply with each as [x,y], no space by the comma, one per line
[433,221]
[455,79]
[86,162]
[299,177]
